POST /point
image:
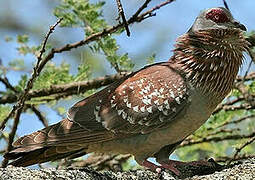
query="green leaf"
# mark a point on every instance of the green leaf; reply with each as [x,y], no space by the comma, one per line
[4,109]
[83,72]
[17,64]
[22,83]
[151,59]
[53,74]
[22,39]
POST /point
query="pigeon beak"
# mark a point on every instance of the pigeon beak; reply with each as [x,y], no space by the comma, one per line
[240,26]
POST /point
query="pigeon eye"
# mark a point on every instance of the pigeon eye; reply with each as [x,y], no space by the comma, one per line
[217,15]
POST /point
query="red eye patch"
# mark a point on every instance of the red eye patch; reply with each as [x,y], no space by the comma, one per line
[217,15]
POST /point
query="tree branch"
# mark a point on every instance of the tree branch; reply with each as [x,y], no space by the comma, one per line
[17,109]
[189,142]
[238,150]
[68,89]
[7,84]
[39,115]
[122,15]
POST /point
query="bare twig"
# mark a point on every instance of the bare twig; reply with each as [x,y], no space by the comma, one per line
[18,108]
[36,71]
[68,89]
[39,115]
[244,106]
[250,76]
[224,159]
[122,15]
[226,5]
[136,14]
[7,84]
[230,103]
[246,94]
[248,69]
[149,13]
[251,54]
[189,142]
[236,121]
[222,130]
[238,150]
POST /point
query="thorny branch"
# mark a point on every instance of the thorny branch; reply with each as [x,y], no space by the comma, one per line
[228,159]
[238,150]
[7,84]
[36,71]
[39,115]
[189,142]
[226,5]
[122,15]
[67,89]
[18,108]
[236,121]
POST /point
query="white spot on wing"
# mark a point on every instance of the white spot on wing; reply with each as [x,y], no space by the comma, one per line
[156,102]
[136,108]
[177,99]
[98,118]
[149,109]
[142,109]
[145,91]
[146,101]
[140,122]
[113,105]
[165,112]
[167,106]
[131,120]
[161,118]
[172,94]
[124,115]
[147,124]
[161,90]
[129,105]
[97,108]
[160,108]
[120,111]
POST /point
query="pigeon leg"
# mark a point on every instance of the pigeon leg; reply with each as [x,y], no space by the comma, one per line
[184,169]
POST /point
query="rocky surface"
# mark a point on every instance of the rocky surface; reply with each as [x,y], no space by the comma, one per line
[242,171]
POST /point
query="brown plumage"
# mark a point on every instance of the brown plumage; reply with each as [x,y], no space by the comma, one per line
[151,111]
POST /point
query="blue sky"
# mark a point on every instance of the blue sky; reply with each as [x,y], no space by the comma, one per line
[154,35]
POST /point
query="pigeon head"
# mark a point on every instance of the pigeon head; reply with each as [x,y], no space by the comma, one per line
[216,18]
